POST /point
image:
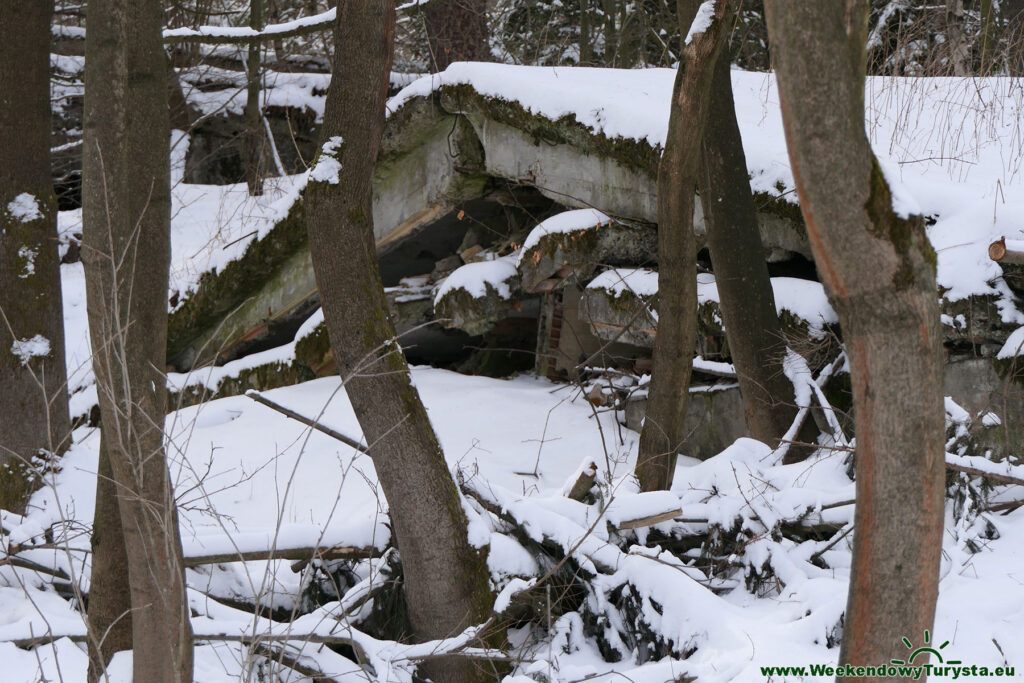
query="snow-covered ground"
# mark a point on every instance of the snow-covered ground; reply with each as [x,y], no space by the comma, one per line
[248,478]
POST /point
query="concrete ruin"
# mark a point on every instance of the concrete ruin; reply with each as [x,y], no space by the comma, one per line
[463,178]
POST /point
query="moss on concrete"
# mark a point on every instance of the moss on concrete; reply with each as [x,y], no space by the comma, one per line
[636,155]
[218,293]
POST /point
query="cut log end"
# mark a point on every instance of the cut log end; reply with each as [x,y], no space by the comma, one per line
[997,250]
[1007,254]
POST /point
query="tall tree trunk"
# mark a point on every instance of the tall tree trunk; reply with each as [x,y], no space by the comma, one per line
[1012,12]
[110,616]
[956,47]
[254,170]
[988,37]
[457,32]
[34,399]
[586,44]
[879,272]
[748,303]
[446,580]
[663,431]
[126,253]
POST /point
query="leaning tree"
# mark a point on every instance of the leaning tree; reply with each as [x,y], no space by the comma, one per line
[878,268]
[445,579]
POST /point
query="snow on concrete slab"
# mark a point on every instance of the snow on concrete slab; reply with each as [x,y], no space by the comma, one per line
[641,282]
[476,278]
[565,222]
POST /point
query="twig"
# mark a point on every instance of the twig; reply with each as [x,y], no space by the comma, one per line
[287,412]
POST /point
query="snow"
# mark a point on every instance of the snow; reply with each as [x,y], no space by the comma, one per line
[28,255]
[567,221]
[701,21]
[327,166]
[641,282]
[478,278]
[1013,346]
[954,141]
[268,31]
[25,208]
[27,349]
[806,299]
[248,478]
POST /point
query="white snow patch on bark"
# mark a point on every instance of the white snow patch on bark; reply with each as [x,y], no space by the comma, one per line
[27,349]
[29,256]
[25,208]
[702,21]
[327,166]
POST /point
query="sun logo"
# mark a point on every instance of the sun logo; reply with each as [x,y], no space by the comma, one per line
[927,649]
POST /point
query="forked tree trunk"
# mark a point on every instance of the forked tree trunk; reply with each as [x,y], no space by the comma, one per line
[663,431]
[33,377]
[446,580]
[879,272]
[748,303]
[126,253]
[457,32]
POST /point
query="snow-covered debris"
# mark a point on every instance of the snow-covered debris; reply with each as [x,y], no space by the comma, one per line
[641,282]
[805,299]
[478,278]
[1014,345]
[961,177]
[324,19]
[27,349]
[565,222]
[25,208]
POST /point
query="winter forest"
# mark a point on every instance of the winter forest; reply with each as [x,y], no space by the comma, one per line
[535,341]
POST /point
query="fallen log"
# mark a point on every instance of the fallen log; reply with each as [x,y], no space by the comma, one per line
[306,554]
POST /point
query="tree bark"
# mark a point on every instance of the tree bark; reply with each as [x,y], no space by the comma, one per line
[663,431]
[879,272]
[109,618]
[748,302]
[457,32]
[34,399]
[254,171]
[446,580]
[126,254]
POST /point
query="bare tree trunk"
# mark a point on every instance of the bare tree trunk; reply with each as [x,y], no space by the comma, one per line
[987,37]
[457,32]
[879,272]
[586,39]
[254,170]
[33,375]
[748,303]
[1012,12]
[663,430]
[957,49]
[446,580]
[126,253]
[109,617]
